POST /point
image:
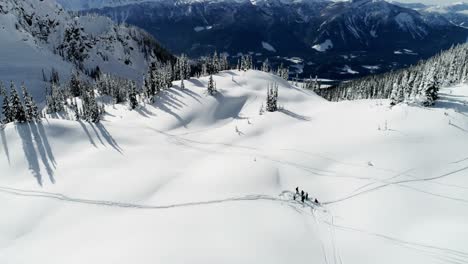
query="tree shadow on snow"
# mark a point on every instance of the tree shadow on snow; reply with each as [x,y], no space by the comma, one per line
[108,137]
[101,133]
[196,82]
[294,115]
[169,101]
[194,96]
[448,101]
[229,107]
[85,129]
[37,150]
[5,144]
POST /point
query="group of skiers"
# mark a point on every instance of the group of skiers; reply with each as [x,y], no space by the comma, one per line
[304,196]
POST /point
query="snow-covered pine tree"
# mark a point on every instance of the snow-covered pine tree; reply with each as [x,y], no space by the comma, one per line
[211,86]
[224,62]
[215,67]
[74,108]
[30,107]
[272,97]
[91,109]
[7,115]
[431,92]
[283,72]
[266,66]
[54,99]
[132,96]
[17,109]
[182,85]
[75,84]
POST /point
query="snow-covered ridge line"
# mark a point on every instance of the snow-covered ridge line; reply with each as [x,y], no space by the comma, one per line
[98,4]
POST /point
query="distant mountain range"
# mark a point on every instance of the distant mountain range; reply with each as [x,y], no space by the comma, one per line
[331,39]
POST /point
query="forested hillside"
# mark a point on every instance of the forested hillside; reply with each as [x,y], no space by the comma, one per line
[418,83]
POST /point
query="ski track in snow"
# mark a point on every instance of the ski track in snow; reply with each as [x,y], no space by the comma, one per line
[445,254]
[400,183]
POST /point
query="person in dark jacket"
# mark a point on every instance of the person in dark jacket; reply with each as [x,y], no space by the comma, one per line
[297,190]
[307,197]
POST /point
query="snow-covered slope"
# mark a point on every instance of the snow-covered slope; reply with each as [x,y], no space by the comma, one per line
[39,35]
[198,179]
[456,13]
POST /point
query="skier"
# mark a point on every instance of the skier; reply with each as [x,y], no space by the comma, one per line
[297,190]
[307,197]
[302,192]
[302,198]
[316,201]
[294,197]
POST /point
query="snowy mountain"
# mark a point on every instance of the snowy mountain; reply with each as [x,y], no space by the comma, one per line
[78,5]
[325,36]
[457,13]
[38,35]
[199,179]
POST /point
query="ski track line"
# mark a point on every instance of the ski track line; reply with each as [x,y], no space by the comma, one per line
[108,203]
[397,183]
[322,244]
[445,254]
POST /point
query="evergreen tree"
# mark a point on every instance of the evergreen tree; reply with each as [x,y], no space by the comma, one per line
[6,106]
[266,66]
[91,110]
[75,85]
[17,108]
[211,86]
[132,96]
[30,107]
[182,85]
[272,97]
[431,92]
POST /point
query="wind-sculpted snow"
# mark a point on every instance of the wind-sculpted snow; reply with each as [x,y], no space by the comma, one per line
[195,178]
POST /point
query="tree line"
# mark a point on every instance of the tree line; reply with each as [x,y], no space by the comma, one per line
[79,95]
[419,83]
[16,110]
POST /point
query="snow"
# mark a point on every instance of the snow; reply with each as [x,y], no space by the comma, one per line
[25,52]
[197,179]
[326,45]
[347,70]
[371,68]
[405,51]
[406,22]
[199,28]
[268,46]
[295,60]
[13,66]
